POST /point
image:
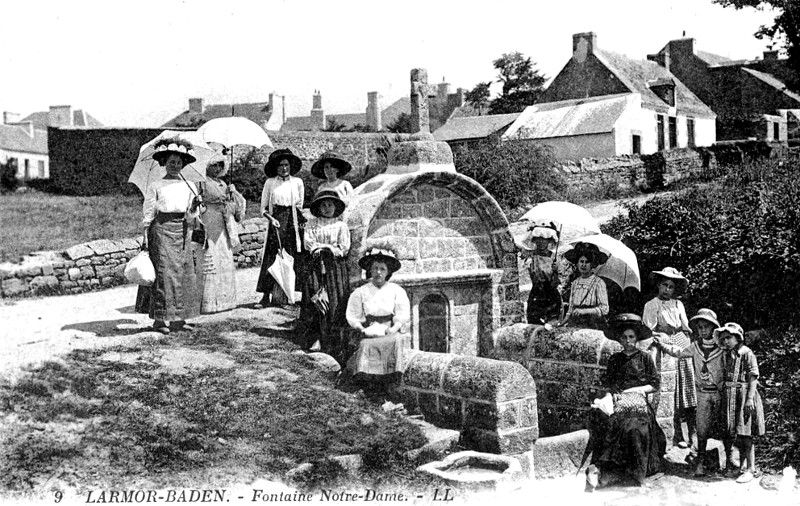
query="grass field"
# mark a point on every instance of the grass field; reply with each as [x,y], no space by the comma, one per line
[36,221]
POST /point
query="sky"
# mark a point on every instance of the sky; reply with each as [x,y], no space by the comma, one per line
[138,63]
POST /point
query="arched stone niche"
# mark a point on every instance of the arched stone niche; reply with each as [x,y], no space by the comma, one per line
[453,241]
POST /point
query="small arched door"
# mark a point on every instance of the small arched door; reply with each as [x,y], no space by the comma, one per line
[433,324]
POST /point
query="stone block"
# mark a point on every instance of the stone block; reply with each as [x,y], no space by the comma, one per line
[406,228]
[436,209]
[460,208]
[451,247]
[47,270]
[94,282]
[425,193]
[466,309]
[408,248]
[481,415]
[466,227]
[381,228]
[425,370]
[40,282]
[14,286]
[129,244]
[30,270]
[98,260]
[478,246]
[428,248]
[558,456]
[103,246]
[411,211]
[87,272]
[434,265]
[666,405]
[450,413]
[106,281]
[434,228]
[508,415]
[486,379]
[554,371]
[555,420]
[78,251]
[468,263]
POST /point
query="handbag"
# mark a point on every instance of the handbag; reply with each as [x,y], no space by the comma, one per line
[199,234]
[140,270]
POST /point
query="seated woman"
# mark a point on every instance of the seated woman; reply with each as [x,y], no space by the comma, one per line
[629,443]
[377,312]
[588,298]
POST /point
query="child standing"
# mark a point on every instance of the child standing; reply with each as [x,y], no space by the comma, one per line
[666,315]
[743,410]
[708,373]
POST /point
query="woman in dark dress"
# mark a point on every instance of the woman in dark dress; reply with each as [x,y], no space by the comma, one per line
[629,443]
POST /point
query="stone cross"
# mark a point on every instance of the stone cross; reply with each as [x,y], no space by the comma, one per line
[420,120]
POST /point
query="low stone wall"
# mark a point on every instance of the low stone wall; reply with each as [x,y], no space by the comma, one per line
[100,264]
[568,366]
[492,403]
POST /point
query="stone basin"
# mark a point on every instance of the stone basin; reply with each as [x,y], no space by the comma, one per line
[476,470]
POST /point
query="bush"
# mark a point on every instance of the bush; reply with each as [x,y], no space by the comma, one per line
[738,243]
[8,176]
[517,174]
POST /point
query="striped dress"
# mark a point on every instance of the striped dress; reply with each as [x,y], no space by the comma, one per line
[669,317]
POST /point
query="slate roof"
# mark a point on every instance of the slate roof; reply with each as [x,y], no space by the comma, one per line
[257,112]
[388,116]
[637,75]
[16,138]
[772,81]
[473,127]
[41,119]
[569,117]
[711,58]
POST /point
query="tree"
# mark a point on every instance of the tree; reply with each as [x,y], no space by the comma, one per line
[786,25]
[331,125]
[401,125]
[522,83]
[478,97]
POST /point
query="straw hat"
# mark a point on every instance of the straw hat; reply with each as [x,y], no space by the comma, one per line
[704,314]
[538,230]
[731,328]
[271,167]
[672,273]
[619,323]
[588,250]
[217,159]
[329,195]
[385,255]
[335,159]
[181,147]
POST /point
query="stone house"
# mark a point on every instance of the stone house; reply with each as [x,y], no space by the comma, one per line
[269,115]
[25,140]
[750,97]
[648,108]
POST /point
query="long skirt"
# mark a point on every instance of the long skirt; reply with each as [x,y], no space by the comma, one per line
[377,355]
[632,445]
[217,267]
[685,393]
[330,276]
[174,295]
[266,283]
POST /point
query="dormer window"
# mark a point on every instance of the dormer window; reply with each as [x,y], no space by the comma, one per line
[664,89]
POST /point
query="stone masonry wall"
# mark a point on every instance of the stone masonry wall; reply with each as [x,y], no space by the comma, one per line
[100,264]
[568,366]
[492,402]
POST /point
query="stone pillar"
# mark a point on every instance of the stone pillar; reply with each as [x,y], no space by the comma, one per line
[374,110]
[420,118]
[196,106]
[60,115]
[317,113]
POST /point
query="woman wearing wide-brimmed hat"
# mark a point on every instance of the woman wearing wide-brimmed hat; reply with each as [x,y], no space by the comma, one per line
[171,209]
[224,207]
[327,239]
[282,204]
[377,312]
[665,315]
[630,443]
[588,298]
[538,250]
[331,166]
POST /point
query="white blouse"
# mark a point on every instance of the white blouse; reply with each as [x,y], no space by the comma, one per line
[168,196]
[327,231]
[667,316]
[340,186]
[282,192]
[368,299]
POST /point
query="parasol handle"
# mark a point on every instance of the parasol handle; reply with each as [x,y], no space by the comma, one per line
[558,242]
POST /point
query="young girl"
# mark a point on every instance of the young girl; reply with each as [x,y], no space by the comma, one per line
[707,358]
[666,315]
[328,240]
[331,167]
[743,411]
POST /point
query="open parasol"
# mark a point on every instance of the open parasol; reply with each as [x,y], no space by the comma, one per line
[146,170]
[622,267]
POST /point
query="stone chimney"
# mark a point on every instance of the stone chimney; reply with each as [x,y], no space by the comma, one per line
[583,44]
[10,117]
[460,99]
[277,115]
[317,114]
[196,106]
[60,115]
[662,58]
[374,110]
[771,55]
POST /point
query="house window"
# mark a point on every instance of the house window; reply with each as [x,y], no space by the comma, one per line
[41,168]
[636,144]
[27,169]
[660,133]
[776,131]
[673,132]
[690,132]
